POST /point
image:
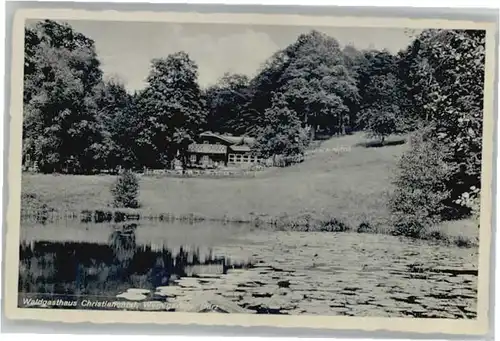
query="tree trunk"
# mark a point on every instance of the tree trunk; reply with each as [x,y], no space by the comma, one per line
[313,132]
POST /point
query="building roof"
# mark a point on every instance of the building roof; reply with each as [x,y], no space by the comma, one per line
[207,148]
[237,140]
[248,140]
[242,148]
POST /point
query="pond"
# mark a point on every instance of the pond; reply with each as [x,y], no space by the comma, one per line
[236,268]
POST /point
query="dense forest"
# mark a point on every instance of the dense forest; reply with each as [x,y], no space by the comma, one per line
[77,122]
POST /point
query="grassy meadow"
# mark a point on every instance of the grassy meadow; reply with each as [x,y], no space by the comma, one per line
[343,180]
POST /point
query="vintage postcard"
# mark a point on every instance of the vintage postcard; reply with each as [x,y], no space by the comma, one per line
[251,169]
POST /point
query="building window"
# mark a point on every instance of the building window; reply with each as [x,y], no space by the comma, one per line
[238,158]
[231,158]
[204,159]
[192,158]
[205,142]
[246,158]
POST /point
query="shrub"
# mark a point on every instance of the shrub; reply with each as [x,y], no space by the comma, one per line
[463,241]
[472,201]
[334,225]
[125,190]
[365,227]
[418,200]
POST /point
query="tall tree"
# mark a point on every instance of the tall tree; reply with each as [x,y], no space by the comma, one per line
[380,117]
[227,102]
[262,88]
[377,65]
[379,89]
[60,132]
[283,134]
[172,110]
[118,119]
[315,80]
[357,63]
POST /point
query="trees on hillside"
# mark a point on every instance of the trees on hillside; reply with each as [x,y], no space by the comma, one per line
[357,64]
[60,132]
[312,75]
[380,118]
[227,103]
[66,100]
[264,85]
[171,109]
[379,91]
[444,92]
[318,84]
[449,65]
[283,134]
[377,64]
[118,121]
[76,122]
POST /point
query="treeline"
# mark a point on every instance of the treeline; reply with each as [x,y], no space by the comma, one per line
[77,122]
[439,178]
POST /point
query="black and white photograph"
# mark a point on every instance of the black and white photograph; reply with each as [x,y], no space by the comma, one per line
[245,169]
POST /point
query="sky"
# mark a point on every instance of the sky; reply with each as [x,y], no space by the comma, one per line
[126,49]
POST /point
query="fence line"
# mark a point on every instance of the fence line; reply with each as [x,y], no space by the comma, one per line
[277,161]
[202,173]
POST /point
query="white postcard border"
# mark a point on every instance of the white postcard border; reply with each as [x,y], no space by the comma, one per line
[478,326]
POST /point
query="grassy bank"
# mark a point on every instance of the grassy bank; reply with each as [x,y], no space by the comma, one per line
[344,185]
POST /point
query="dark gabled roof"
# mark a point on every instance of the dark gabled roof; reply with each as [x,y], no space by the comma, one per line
[235,140]
[207,148]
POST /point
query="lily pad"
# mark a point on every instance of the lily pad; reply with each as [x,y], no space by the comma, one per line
[138,291]
[130,296]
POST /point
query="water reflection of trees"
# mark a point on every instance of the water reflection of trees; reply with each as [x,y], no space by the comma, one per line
[123,243]
[85,268]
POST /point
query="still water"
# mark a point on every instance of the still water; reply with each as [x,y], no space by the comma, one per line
[102,260]
[238,268]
